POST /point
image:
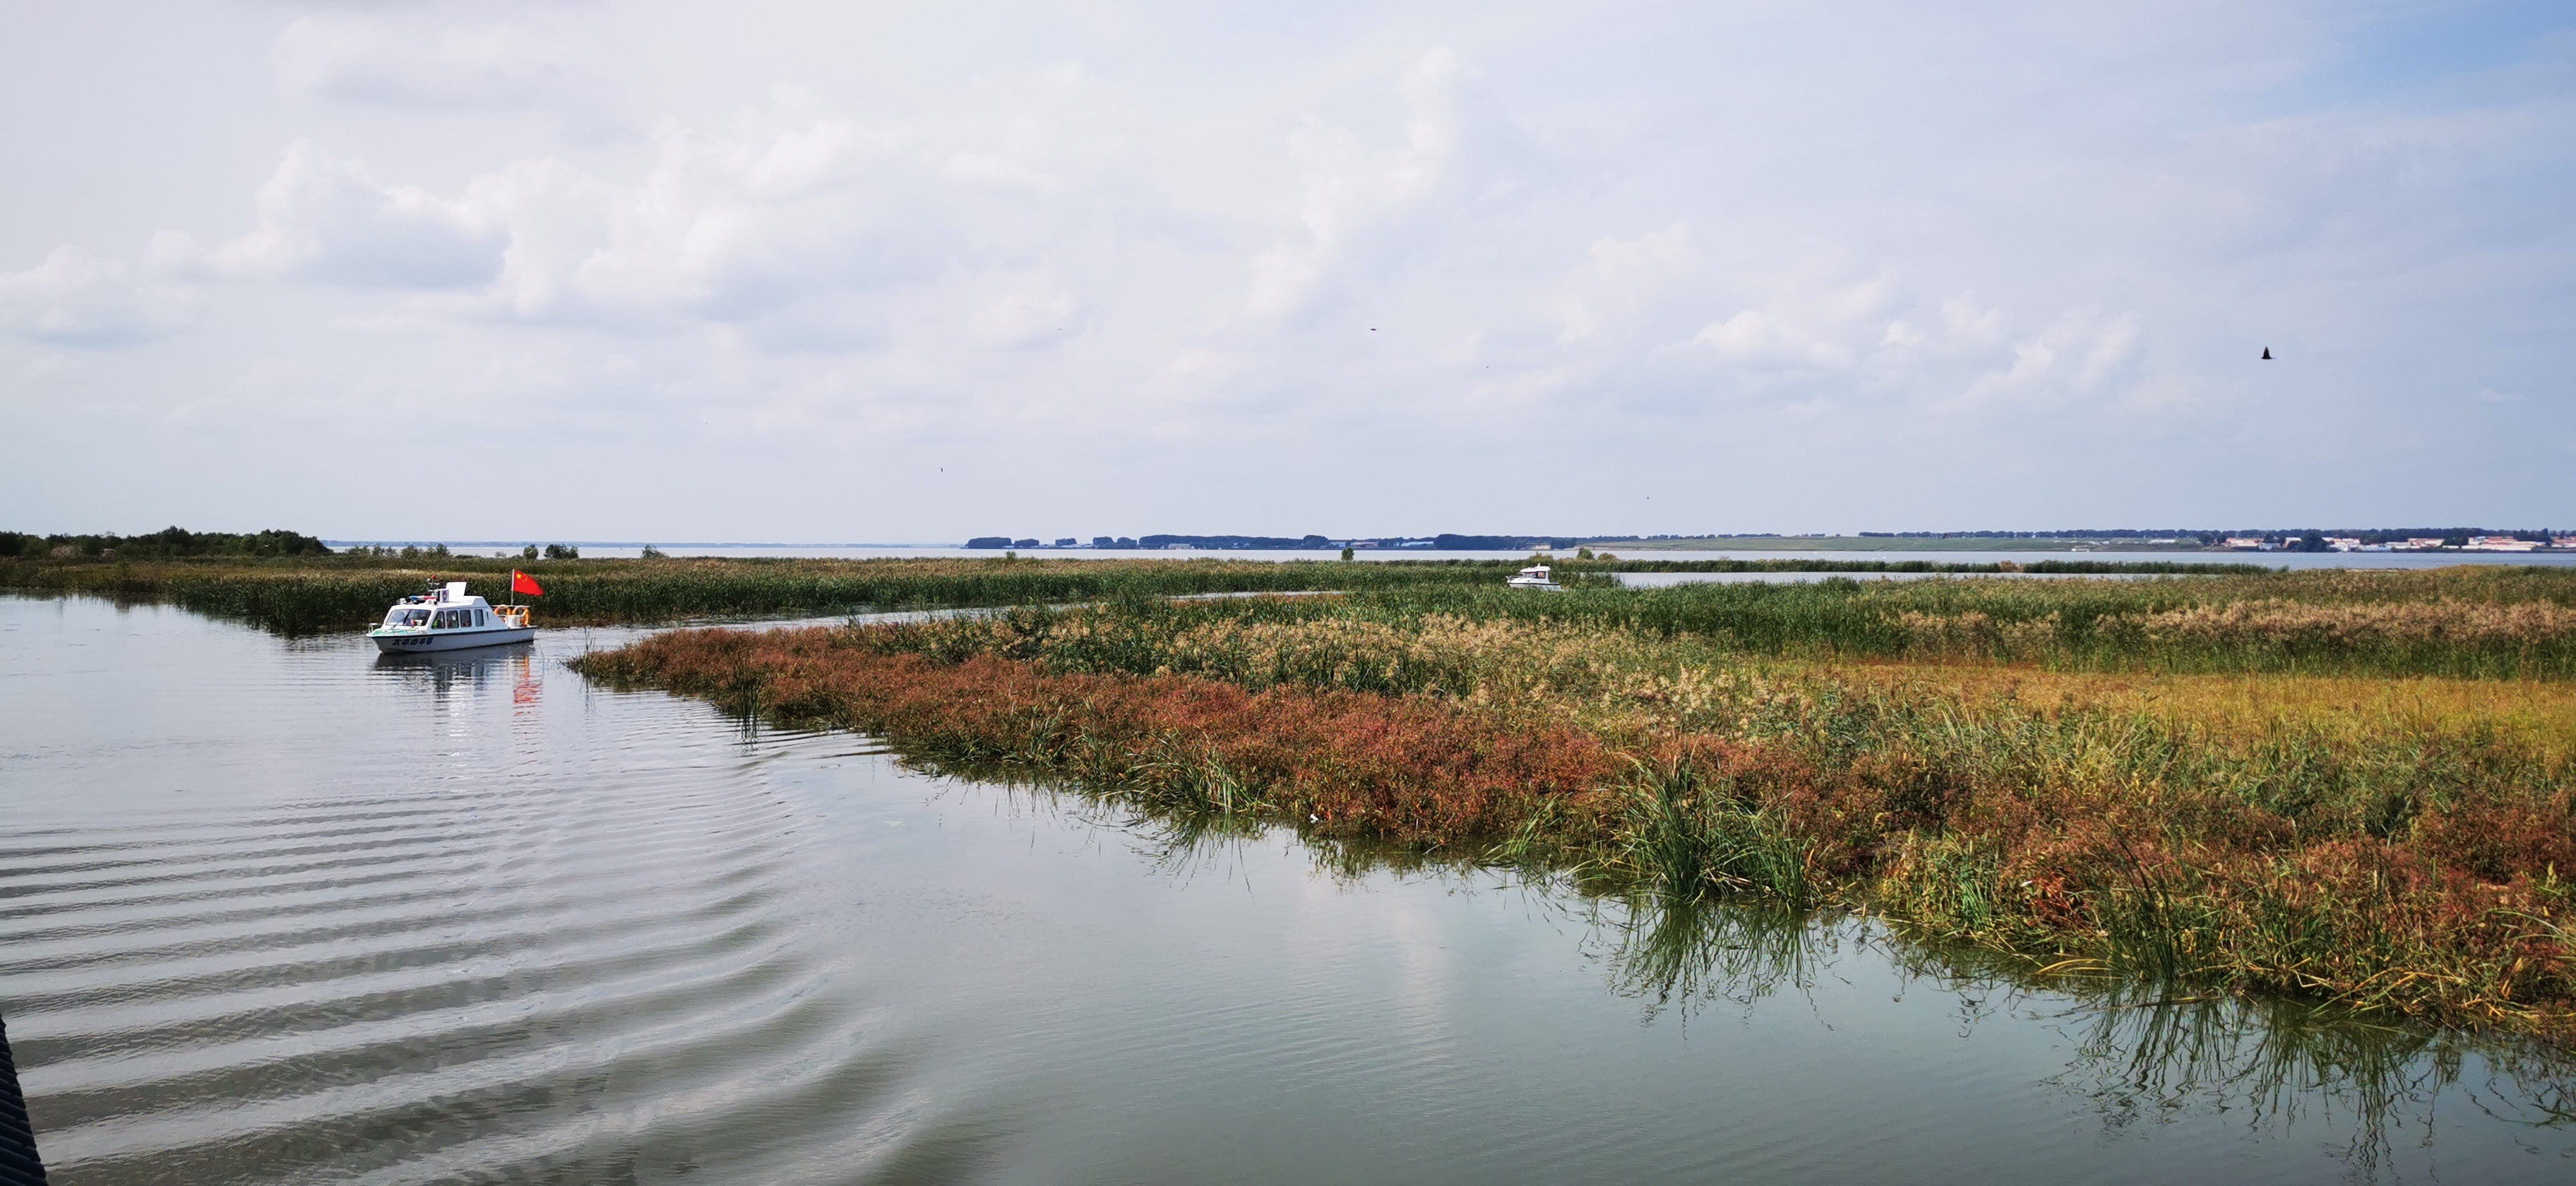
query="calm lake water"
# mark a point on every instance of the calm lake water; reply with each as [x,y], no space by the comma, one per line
[285,911]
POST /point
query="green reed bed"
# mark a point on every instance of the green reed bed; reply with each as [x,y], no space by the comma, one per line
[2482,622]
[307,596]
[2507,623]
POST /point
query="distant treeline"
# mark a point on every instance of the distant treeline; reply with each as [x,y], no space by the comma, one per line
[2289,537]
[1255,543]
[2208,535]
[165,544]
[1963,568]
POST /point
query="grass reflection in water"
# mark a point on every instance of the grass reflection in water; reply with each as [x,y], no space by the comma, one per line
[2143,1052]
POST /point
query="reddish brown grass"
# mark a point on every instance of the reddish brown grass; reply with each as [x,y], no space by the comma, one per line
[1411,770]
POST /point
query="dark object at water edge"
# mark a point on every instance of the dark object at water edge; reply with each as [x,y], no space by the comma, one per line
[19,1165]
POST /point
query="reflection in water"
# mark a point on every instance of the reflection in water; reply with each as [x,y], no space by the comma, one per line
[2281,1060]
[447,673]
[2143,1053]
[1683,954]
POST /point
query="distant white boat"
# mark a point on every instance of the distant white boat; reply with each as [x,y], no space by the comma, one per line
[1535,577]
[445,619]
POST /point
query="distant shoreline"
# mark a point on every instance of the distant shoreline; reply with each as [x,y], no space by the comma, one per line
[1880,543]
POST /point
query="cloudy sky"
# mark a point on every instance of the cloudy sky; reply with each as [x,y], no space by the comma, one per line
[826,272]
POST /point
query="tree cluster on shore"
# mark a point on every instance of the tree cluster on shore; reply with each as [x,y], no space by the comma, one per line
[165,544]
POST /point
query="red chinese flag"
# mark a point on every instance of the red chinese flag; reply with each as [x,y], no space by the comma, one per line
[521,582]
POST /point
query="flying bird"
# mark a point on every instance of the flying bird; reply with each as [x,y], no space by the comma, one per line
[2267,354]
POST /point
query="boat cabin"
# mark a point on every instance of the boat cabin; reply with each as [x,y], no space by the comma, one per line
[447,607]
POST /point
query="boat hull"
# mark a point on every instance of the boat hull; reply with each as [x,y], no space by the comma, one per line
[419,642]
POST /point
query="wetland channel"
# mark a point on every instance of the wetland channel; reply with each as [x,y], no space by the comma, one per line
[284,911]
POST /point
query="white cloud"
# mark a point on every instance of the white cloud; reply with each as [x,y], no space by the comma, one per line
[1826,330]
[793,224]
[725,226]
[1760,337]
[327,218]
[728,227]
[1626,277]
[369,60]
[1030,311]
[75,298]
[1963,327]
[49,367]
[2077,355]
[1000,171]
[1957,356]
[1348,185]
[800,227]
[1648,257]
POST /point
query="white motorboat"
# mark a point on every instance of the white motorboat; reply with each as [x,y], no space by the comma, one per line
[1535,577]
[445,619]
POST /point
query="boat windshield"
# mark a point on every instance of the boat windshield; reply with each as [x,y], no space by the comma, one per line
[407,615]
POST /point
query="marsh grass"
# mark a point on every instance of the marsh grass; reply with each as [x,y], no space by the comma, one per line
[2341,711]
[306,595]
[2409,868]
[2469,621]
[311,596]
[1686,830]
[2484,624]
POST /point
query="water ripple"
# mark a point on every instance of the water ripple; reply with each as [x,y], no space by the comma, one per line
[454,958]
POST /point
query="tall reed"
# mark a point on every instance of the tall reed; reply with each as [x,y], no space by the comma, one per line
[347,593]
